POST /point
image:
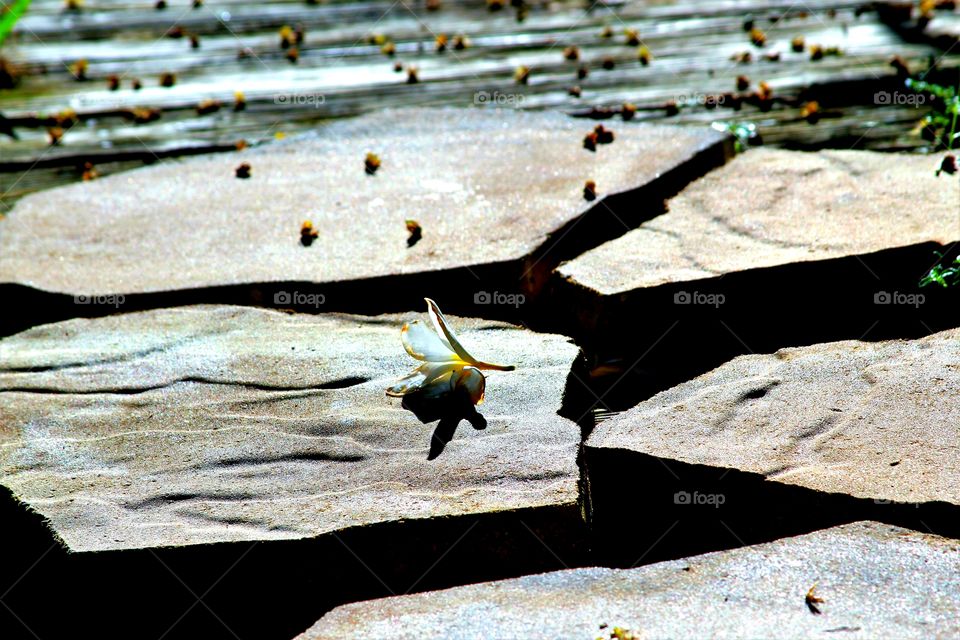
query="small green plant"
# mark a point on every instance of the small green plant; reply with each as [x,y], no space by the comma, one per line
[944,275]
[743,133]
[942,119]
[9,14]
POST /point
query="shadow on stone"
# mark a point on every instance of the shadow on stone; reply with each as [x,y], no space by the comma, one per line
[450,409]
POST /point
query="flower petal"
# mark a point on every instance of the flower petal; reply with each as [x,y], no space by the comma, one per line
[423,344]
[424,376]
[450,339]
[472,381]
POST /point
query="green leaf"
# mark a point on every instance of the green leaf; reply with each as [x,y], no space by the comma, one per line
[11,13]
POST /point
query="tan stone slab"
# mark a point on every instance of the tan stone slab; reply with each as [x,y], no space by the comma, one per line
[487,186]
[771,207]
[875,421]
[215,423]
[874,581]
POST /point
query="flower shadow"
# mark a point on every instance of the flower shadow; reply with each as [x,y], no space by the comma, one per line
[450,409]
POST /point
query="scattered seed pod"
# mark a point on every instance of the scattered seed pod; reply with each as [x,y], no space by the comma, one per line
[136,85]
[143,115]
[415,231]
[571,53]
[757,37]
[590,191]
[175,32]
[632,37]
[413,76]
[461,42]
[743,83]
[748,25]
[286,36]
[773,56]
[433,5]
[582,72]
[371,163]
[810,111]
[948,165]
[66,118]
[389,49]
[590,141]
[742,57]
[168,79]
[113,83]
[643,55]
[604,135]
[397,67]
[628,111]
[440,43]
[239,101]
[89,172]
[798,44]
[72,5]
[194,41]
[495,5]
[243,171]
[293,55]
[574,91]
[197,4]
[307,233]
[522,74]
[607,32]
[160,5]
[54,136]
[900,65]
[208,106]
[79,70]
[816,52]
[240,145]
[672,108]
[299,33]
[377,39]
[522,12]
[608,63]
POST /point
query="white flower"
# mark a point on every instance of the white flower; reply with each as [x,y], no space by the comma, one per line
[446,366]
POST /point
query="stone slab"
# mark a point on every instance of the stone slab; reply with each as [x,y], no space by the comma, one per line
[214,423]
[875,581]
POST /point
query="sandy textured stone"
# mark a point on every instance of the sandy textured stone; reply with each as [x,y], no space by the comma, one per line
[487,187]
[771,207]
[869,420]
[214,423]
[876,581]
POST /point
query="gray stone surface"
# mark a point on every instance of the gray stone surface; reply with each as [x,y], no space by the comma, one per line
[771,207]
[876,581]
[487,186]
[869,420]
[215,423]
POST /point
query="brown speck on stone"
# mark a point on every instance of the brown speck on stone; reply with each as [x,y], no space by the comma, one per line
[812,600]
[743,83]
[948,165]
[590,191]
[243,171]
[54,136]
[208,106]
[742,57]
[433,5]
[413,76]
[900,65]
[308,233]
[571,53]
[293,55]
[495,5]
[628,111]
[460,42]
[671,108]
[160,5]
[604,135]
[113,83]
[79,70]
[644,55]
[194,41]
[757,37]
[574,91]
[168,79]
[582,72]
[810,111]
[388,49]
[632,37]
[590,141]
[371,163]
[440,43]
[522,74]
[798,44]
[89,172]
[239,101]
[415,231]
[773,56]
[607,32]
[608,63]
